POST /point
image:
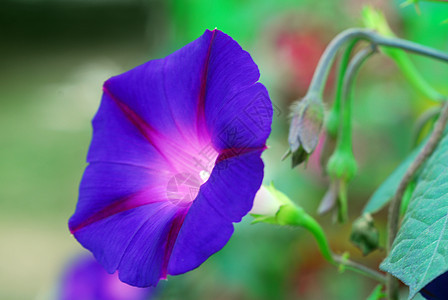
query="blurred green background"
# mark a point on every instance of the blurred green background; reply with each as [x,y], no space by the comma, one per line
[54,57]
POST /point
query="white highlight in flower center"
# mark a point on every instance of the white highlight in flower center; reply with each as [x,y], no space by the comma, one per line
[192,168]
[205,175]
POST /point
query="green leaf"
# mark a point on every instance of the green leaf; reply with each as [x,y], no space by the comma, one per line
[420,251]
[377,293]
[419,297]
[385,192]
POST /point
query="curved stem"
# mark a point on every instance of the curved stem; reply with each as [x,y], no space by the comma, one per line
[327,58]
[333,119]
[394,208]
[345,136]
[316,230]
[359,268]
[296,216]
[345,167]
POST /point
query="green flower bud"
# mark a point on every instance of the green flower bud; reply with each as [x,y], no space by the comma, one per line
[288,214]
[267,203]
[342,165]
[364,234]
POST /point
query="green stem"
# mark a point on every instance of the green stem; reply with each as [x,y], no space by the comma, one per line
[345,130]
[342,201]
[297,217]
[333,119]
[359,268]
[323,67]
[316,230]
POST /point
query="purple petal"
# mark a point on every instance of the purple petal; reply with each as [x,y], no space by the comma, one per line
[146,258]
[85,279]
[118,136]
[160,131]
[243,122]
[166,93]
[109,188]
[225,198]
[230,70]
[116,233]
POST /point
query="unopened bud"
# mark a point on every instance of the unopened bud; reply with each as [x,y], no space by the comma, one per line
[306,124]
[364,234]
[342,165]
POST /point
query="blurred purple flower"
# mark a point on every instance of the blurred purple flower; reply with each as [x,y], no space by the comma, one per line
[86,279]
[436,289]
[174,160]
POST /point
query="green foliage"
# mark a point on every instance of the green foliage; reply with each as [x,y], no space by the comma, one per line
[239,19]
[377,293]
[419,252]
[385,192]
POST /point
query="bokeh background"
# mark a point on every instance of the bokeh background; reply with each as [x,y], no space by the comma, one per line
[54,57]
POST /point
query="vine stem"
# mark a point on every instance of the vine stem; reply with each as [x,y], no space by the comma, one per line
[296,216]
[359,268]
[422,121]
[394,208]
[344,134]
[327,58]
[333,117]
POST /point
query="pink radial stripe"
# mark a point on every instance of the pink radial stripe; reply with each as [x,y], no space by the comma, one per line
[181,155]
[130,202]
[203,90]
[233,152]
[177,222]
[145,129]
[147,197]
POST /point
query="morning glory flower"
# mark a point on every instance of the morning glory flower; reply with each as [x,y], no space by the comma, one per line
[86,279]
[174,160]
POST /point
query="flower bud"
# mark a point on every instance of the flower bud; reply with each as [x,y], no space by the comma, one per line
[342,165]
[364,234]
[287,213]
[267,203]
[306,124]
